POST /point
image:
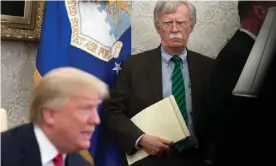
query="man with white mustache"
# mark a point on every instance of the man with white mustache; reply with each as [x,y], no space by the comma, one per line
[148,77]
[175,36]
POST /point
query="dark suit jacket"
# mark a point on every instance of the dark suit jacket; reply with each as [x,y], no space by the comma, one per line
[238,122]
[139,85]
[19,147]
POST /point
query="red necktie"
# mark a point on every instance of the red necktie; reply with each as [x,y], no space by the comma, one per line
[58,160]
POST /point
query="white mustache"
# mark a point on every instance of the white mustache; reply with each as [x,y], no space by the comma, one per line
[175,36]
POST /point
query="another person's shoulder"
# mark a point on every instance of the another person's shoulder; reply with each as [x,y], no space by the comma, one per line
[11,142]
[239,44]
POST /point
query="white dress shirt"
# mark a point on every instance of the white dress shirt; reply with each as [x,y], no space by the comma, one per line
[249,33]
[47,150]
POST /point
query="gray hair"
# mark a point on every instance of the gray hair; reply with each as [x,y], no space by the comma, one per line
[167,7]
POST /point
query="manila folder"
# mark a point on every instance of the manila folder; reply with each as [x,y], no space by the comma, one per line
[162,119]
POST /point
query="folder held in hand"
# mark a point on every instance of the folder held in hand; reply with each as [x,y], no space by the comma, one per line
[162,119]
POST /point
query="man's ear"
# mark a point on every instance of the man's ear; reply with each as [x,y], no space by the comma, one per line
[260,12]
[158,29]
[191,28]
[48,116]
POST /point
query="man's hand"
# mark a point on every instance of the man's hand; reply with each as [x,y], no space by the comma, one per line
[154,145]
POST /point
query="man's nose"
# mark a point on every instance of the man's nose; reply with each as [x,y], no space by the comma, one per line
[94,119]
[174,28]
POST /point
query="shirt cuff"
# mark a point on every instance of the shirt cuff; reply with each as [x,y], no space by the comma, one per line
[137,142]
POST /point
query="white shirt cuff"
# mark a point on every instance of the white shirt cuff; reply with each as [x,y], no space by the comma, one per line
[137,142]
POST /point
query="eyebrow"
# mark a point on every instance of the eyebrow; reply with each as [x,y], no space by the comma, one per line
[175,21]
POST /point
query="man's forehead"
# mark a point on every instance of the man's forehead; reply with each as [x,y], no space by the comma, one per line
[174,16]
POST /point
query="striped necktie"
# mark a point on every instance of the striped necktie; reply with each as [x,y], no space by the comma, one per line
[178,91]
[178,87]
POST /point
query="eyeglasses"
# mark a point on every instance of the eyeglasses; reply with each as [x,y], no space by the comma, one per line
[178,24]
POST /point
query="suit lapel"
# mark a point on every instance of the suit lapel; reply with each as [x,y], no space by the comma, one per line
[154,70]
[69,161]
[30,154]
[190,68]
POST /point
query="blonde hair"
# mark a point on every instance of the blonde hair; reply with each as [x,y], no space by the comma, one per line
[60,84]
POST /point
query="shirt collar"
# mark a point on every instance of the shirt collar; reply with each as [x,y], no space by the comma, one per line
[166,56]
[47,150]
[249,33]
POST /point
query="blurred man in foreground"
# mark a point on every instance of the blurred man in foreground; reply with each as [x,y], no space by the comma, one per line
[63,115]
[240,124]
[146,78]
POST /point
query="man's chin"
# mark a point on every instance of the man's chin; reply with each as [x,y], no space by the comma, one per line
[85,145]
[176,45]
